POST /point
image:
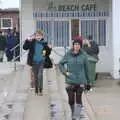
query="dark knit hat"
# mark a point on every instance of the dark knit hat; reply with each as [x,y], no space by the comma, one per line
[78,41]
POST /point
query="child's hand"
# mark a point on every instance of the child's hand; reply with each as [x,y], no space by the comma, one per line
[82,85]
[87,43]
[28,38]
[49,46]
[66,73]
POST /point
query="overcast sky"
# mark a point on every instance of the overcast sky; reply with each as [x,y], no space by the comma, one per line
[9,3]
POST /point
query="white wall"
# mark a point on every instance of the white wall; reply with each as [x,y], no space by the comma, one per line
[110,37]
[105,62]
[116,38]
[27,22]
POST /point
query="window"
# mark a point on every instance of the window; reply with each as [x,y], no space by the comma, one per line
[102,32]
[6,23]
[95,28]
[56,32]
[61,33]
[89,27]
[74,28]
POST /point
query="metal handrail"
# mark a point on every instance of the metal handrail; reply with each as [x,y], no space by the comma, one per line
[15,47]
[16,57]
[12,49]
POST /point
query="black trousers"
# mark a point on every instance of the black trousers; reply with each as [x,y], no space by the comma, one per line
[74,94]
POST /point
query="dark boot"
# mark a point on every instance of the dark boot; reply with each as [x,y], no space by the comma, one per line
[40,92]
[1,59]
[36,90]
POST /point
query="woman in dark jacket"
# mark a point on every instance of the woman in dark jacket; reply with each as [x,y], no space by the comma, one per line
[92,49]
[38,58]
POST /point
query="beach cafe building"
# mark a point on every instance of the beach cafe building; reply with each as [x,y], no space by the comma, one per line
[62,20]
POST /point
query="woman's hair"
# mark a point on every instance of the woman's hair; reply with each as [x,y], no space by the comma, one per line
[78,41]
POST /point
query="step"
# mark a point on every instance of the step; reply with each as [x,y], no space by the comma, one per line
[102,76]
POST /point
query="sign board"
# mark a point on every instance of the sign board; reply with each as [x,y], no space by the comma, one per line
[71,7]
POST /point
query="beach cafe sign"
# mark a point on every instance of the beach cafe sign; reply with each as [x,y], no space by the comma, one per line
[72,7]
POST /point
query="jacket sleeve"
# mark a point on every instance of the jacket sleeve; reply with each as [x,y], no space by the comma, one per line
[86,69]
[48,50]
[93,50]
[95,47]
[26,45]
[62,64]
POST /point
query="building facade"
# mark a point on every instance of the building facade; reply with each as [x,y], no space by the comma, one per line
[9,19]
[62,20]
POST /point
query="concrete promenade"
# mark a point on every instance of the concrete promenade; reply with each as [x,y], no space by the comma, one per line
[18,101]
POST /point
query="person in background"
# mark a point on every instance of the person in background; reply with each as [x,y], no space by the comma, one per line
[38,50]
[76,73]
[11,40]
[91,47]
[2,46]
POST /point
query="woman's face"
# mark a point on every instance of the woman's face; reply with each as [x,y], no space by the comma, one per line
[76,47]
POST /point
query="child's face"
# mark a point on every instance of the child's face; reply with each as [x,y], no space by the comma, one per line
[38,36]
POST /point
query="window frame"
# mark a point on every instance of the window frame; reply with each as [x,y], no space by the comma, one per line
[97,19]
[1,20]
[52,21]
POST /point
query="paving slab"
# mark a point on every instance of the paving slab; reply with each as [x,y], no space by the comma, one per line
[36,107]
[105,100]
